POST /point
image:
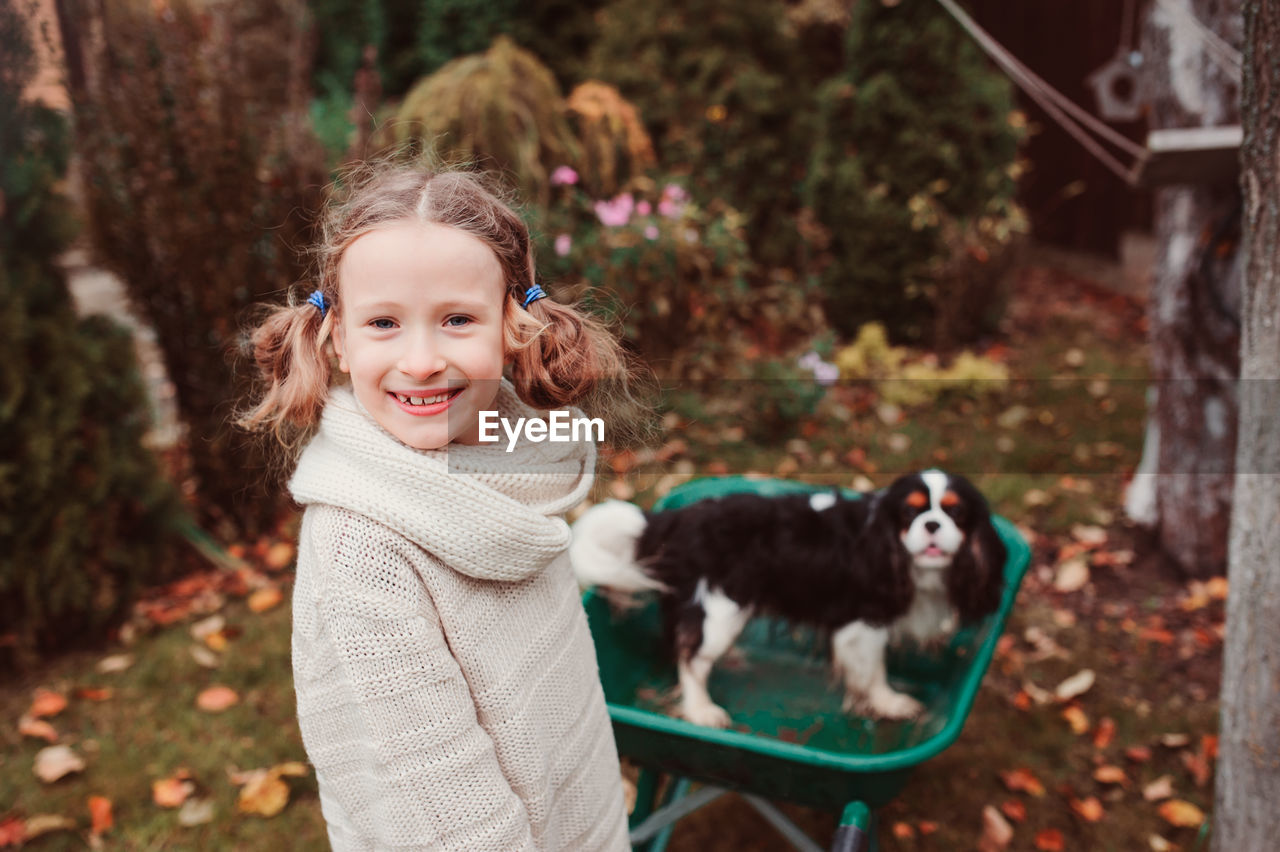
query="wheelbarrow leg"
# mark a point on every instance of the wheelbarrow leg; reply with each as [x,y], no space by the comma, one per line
[654,832]
[856,832]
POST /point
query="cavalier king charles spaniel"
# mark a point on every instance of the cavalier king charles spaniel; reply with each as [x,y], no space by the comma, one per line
[911,561]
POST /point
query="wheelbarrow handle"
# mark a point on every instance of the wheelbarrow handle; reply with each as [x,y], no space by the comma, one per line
[854,830]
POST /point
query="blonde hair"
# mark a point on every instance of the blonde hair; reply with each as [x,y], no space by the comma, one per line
[559,355]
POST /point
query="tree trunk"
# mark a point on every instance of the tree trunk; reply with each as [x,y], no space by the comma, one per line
[1194,323]
[1247,787]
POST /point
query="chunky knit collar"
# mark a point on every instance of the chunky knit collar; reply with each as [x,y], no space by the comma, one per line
[483,511]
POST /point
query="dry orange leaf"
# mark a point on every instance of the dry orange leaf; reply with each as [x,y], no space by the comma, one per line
[1217,588]
[1108,774]
[90,693]
[265,795]
[47,703]
[1181,813]
[172,792]
[1022,701]
[996,831]
[1138,754]
[1104,733]
[215,699]
[1049,840]
[1022,781]
[265,599]
[1014,809]
[100,817]
[13,831]
[1077,719]
[927,827]
[37,728]
[1090,809]
[278,556]
[1161,788]
[903,830]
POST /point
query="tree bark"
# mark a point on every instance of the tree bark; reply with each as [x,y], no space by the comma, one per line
[1194,323]
[1247,787]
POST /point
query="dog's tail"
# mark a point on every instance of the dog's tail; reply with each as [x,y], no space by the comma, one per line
[603,551]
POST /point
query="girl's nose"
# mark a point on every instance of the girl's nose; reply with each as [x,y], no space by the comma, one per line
[422,357]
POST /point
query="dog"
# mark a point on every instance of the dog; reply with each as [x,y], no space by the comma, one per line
[912,561]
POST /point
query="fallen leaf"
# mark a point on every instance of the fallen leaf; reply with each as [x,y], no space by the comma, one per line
[115,663]
[216,641]
[1108,774]
[215,699]
[1181,813]
[1072,575]
[1022,700]
[996,831]
[55,762]
[1022,781]
[1014,809]
[1174,740]
[1138,754]
[1197,764]
[13,831]
[172,792]
[205,657]
[100,818]
[903,830]
[1078,684]
[47,703]
[1077,719]
[1038,695]
[92,693]
[1159,844]
[927,827]
[265,599]
[1089,536]
[293,769]
[1089,810]
[278,556]
[1217,588]
[195,812]
[1049,840]
[1161,788]
[42,824]
[38,729]
[206,627]
[1104,733]
[265,795]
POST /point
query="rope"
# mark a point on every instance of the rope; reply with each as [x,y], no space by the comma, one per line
[1056,104]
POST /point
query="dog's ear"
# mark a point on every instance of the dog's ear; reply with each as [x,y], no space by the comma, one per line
[884,571]
[975,581]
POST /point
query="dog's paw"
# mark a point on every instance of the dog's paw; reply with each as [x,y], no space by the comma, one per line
[707,714]
[883,704]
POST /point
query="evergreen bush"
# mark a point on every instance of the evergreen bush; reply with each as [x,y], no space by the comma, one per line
[85,517]
[501,109]
[916,141]
[200,174]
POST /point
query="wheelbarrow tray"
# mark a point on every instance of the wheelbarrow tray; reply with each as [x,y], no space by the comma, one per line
[790,738]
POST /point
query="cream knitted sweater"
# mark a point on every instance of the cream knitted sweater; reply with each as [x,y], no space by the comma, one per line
[448,690]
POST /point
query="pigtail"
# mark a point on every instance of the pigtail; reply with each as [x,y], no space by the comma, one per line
[288,348]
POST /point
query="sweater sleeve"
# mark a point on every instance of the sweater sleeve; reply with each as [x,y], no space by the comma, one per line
[423,772]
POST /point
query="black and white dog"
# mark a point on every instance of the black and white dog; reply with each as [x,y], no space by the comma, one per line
[911,561]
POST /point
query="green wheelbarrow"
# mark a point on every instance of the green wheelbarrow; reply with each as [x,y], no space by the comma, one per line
[790,740]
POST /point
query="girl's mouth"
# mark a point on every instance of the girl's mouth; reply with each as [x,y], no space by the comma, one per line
[424,406]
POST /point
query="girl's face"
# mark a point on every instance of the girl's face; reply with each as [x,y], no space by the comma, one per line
[420,330]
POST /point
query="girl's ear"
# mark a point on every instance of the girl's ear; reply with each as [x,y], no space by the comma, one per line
[340,344]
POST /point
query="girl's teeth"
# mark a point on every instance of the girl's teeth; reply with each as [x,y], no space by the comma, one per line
[418,400]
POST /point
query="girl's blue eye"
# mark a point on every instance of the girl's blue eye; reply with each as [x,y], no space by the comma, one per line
[383,324]
[458,322]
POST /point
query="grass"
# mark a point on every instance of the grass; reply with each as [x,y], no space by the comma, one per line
[1071,450]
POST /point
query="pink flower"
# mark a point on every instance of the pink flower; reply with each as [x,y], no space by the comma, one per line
[616,212]
[651,232]
[564,176]
[563,243]
[672,203]
[644,208]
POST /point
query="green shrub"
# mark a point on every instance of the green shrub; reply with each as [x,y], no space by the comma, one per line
[914,138]
[501,109]
[726,91]
[200,172]
[84,515]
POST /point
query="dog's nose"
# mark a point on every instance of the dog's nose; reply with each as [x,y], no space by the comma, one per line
[932,526]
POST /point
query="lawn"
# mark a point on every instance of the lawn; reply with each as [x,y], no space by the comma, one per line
[1051,449]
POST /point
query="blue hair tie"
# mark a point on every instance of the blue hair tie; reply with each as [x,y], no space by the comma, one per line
[532,295]
[317,299]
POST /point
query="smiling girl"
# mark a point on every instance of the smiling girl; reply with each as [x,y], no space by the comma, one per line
[448,690]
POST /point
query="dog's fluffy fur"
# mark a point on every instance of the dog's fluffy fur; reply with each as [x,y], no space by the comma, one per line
[914,560]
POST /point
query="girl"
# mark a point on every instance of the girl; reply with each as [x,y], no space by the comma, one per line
[448,691]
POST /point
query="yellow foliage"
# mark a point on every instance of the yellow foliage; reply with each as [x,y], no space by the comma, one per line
[911,381]
[615,145]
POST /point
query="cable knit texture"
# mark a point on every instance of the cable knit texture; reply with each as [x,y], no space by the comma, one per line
[448,690]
